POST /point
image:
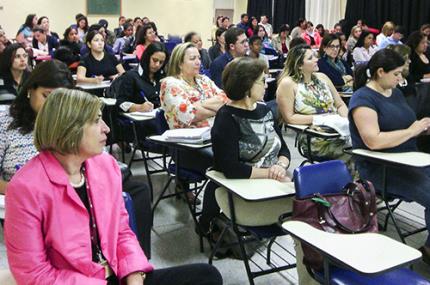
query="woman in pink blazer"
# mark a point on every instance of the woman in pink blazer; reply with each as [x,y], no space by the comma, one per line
[65,217]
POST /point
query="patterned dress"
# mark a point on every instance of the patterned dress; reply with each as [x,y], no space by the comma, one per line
[15,148]
[178,97]
[316,98]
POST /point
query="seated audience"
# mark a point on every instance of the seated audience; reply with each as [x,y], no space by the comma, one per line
[43,43]
[17,122]
[255,48]
[253,26]
[217,25]
[386,31]
[110,36]
[219,47]
[190,100]
[158,38]
[196,39]
[77,184]
[82,27]
[262,34]
[247,143]
[364,48]
[125,41]
[71,41]
[140,87]
[118,31]
[236,45]
[281,42]
[381,120]
[144,37]
[334,67]
[394,39]
[102,31]
[25,32]
[337,28]
[13,68]
[97,65]
[299,29]
[353,38]
[311,36]
[4,41]
[264,21]
[137,23]
[321,30]
[44,23]
[344,54]
[304,93]
[225,22]
[420,64]
[243,24]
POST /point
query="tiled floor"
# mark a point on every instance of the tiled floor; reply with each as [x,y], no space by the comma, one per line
[174,241]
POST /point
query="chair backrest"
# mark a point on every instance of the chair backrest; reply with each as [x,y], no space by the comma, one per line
[6,98]
[130,210]
[325,178]
[160,122]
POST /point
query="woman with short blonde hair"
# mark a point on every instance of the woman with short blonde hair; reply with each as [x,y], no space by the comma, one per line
[386,31]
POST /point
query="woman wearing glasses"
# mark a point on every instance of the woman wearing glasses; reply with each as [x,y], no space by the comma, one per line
[331,65]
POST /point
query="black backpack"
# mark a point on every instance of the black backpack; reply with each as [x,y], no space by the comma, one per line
[113,90]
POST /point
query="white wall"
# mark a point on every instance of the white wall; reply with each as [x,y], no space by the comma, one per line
[171,16]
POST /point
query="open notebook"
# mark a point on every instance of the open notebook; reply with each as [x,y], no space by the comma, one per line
[193,136]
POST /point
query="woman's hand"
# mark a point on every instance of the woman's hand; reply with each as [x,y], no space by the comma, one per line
[420,126]
[146,107]
[277,172]
[135,279]
[98,79]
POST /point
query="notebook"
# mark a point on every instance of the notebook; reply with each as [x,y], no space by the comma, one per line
[192,135]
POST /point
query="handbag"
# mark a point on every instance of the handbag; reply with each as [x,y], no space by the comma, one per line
[350,211]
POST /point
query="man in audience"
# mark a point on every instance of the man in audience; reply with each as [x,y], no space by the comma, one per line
[255,46]
[264,21]
[243,24]
[236,45]
[394,39]
[121,22]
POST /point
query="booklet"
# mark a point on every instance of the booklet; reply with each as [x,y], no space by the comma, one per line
[191,135]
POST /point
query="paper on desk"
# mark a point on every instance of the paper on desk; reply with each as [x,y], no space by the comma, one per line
[335,121]
[145,114]
[191,135]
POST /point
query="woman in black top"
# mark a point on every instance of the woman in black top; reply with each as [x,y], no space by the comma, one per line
[219,47]
[71,41]
[246,142]
[140,87]
[97,65]
[420,63]
[13,68]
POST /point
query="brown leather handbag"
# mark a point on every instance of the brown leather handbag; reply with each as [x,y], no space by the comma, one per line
[353,210]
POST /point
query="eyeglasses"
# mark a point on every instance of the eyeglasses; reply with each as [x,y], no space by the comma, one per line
[334,46]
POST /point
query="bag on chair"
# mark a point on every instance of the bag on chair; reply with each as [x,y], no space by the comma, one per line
[352,210]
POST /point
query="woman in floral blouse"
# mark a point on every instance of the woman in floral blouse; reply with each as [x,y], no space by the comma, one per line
[302,93]
[190,100]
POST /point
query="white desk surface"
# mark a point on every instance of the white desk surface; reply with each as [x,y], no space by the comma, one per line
[92,86]
[367,253]
[275,70]
[129,57]
[162,139]
[345,95]
[254,189]
[139,116]
[270,79]
[108,101]
[2,206]
[303,128]
[413,158]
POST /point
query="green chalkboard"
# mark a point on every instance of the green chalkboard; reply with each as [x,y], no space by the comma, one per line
[104,7]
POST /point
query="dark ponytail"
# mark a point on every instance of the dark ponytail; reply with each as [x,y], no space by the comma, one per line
[386,59]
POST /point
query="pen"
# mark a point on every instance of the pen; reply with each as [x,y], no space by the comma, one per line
[143,95]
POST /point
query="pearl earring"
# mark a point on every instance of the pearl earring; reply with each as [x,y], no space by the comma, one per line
[28,94]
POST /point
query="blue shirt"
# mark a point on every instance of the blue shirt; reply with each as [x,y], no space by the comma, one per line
[389,41]
[217,67]
[393,114]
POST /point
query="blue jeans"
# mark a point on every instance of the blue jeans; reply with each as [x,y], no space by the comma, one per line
[412,184]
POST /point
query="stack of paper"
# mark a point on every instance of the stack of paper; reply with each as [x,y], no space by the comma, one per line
[193,136]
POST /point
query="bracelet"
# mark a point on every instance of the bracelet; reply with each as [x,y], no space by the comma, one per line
[281,164]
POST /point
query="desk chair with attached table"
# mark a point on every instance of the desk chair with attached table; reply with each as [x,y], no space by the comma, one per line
[330,177]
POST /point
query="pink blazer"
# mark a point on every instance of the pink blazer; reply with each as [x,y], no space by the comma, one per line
[47,226]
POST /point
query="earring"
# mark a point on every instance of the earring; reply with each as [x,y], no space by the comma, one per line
[28,94]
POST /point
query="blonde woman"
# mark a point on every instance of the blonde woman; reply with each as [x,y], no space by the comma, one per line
[353,38]
[386,31]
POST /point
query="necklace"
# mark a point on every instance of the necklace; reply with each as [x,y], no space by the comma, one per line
[81,181]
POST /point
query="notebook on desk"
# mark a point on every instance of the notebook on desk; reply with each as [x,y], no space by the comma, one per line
[145,114]
[191,136]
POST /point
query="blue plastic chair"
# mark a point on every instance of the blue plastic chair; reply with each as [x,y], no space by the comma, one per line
[130,210]
[328,178]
